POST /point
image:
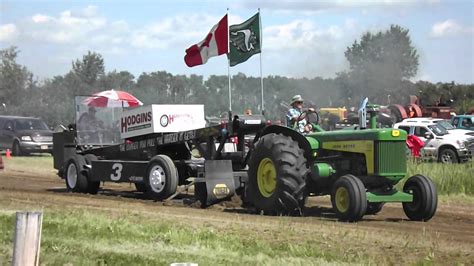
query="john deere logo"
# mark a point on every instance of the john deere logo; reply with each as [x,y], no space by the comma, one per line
[221,191]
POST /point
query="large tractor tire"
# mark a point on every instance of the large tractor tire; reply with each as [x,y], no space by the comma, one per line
[277,173]
[349,198]
[92,186]
[162,178]
[76,180]
[425,198]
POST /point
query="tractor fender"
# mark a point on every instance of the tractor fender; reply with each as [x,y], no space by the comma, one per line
[286,131]
[398,112]
[417,112]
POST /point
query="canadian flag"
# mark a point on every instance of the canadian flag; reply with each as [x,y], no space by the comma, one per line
[215,43]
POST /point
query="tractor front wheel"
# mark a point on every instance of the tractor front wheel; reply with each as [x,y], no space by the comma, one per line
[425,198]
[277,172]
[349,199]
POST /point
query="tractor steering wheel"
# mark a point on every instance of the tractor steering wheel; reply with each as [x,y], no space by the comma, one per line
[311,118]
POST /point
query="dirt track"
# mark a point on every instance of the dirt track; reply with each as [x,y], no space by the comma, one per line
[452,228]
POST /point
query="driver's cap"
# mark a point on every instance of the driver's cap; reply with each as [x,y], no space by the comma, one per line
[297,98]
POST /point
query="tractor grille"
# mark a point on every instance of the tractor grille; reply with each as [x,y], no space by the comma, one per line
[391,158]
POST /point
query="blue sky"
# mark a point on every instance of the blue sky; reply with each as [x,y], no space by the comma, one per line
[300,38]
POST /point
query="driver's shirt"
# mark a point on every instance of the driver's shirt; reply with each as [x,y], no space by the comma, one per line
[293,114]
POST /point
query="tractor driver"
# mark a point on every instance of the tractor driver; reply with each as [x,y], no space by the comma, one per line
[88,120]
[295,115]
[90,125]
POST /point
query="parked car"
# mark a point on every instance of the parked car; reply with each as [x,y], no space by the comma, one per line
[446,146]
[463,122]
[25,135]
[445,123]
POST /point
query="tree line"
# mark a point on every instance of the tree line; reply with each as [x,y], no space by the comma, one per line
[381,66]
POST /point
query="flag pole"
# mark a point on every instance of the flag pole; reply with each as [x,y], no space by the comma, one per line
[261,51]
[228,70]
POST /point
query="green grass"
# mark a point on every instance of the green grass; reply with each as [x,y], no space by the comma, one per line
[450,179]
[87,238]
[40,164]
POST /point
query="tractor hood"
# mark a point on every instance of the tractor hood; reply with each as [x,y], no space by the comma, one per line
[387,134]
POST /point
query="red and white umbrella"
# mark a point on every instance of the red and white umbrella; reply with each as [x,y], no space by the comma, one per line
[112,98]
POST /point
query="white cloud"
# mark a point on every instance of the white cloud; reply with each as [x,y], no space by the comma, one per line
[307,49]
[449,27]
[308,6]
[39,18]
[8,32]
[90,11]
[88,28]
[300,34]
[71,27]
[175,31]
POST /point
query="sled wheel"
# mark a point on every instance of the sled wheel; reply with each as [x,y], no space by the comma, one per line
[76,180]
[92,186]
[162,178]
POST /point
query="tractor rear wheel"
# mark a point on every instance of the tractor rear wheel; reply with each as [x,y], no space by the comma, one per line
[425,198]
[349,199]
[76,180]
[162,179]
[277,173]
[92,186]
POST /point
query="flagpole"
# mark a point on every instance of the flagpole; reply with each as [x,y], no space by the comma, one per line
[228,72]
[261,51]
[228,64]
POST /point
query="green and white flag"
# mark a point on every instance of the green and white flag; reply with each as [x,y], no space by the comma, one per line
[244,40]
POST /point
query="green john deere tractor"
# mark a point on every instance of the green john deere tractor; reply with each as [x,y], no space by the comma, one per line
[358,168]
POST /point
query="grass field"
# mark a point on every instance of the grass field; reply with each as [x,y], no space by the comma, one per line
[450,179]
[153,235]
[111,237]
[87,238]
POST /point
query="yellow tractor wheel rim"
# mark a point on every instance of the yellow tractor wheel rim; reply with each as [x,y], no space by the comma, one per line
[342,199]
[266,177]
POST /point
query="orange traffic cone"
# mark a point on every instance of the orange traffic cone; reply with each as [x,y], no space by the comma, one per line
[8,154]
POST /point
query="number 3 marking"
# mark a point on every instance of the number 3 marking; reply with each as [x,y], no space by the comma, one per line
[117,174]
